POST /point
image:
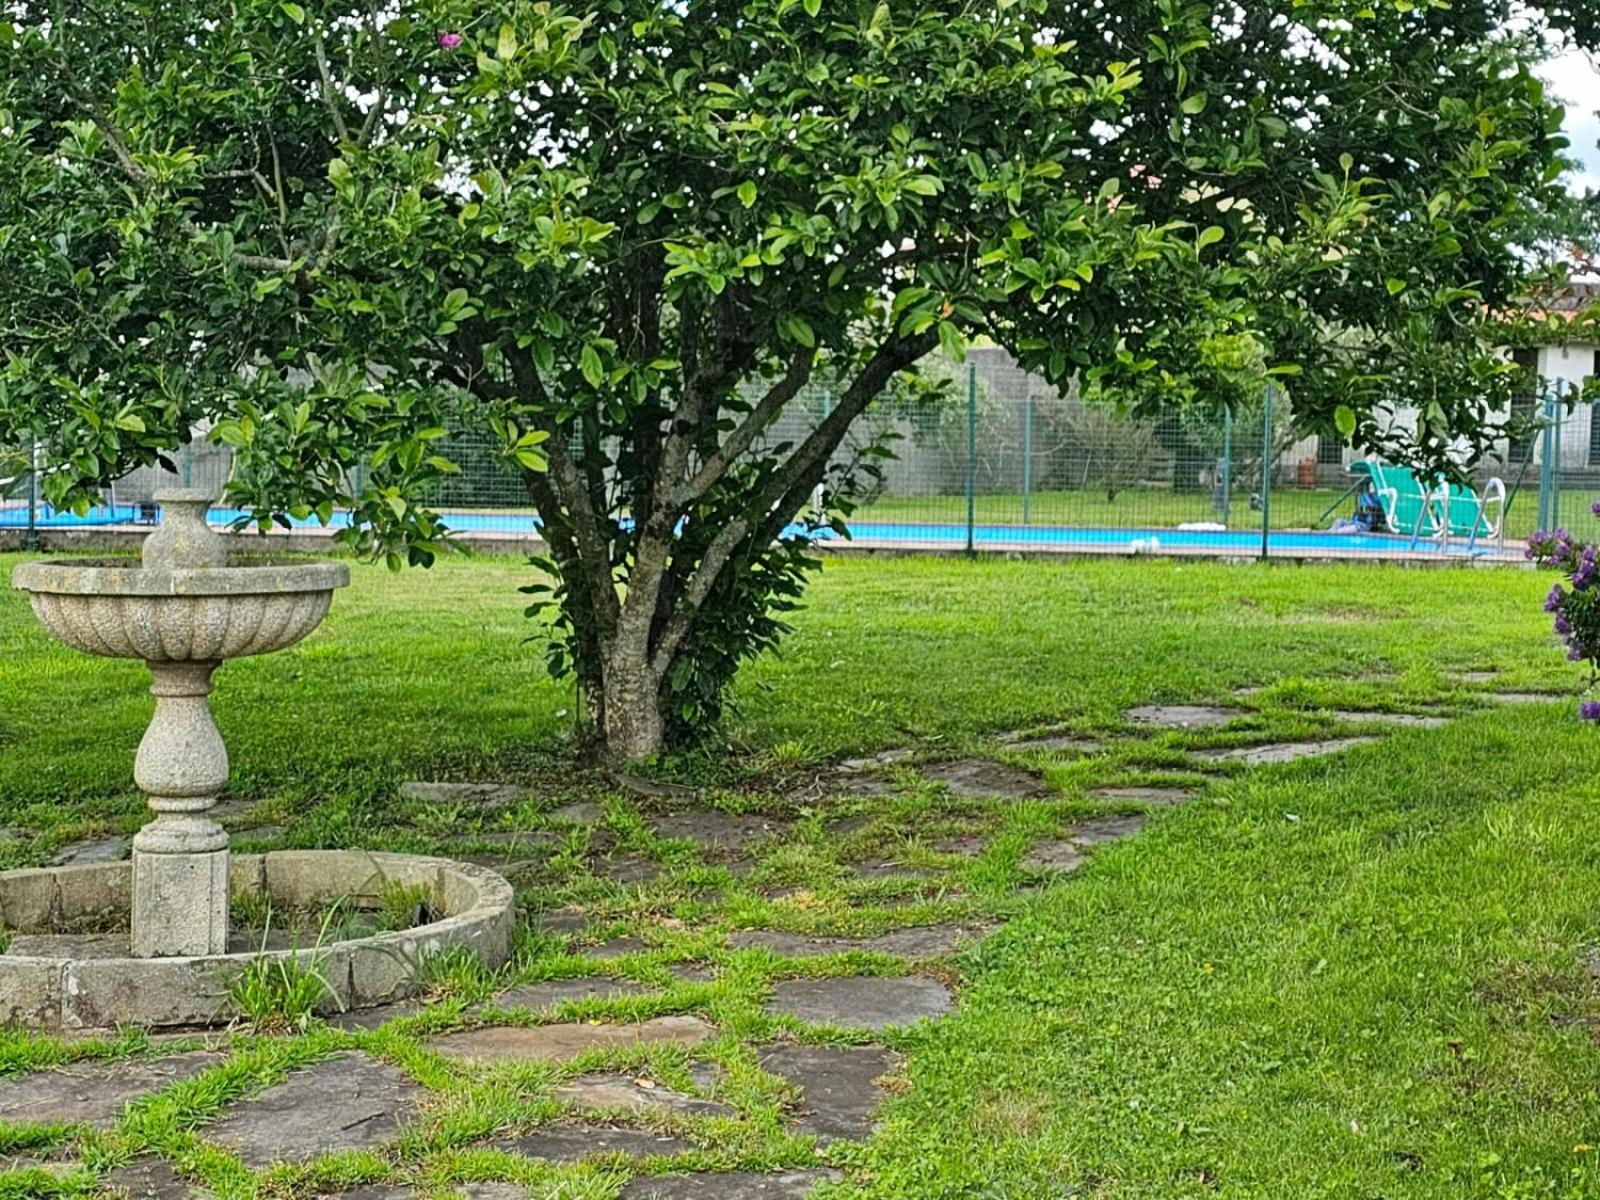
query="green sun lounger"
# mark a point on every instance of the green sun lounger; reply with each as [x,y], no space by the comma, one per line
[1439,510]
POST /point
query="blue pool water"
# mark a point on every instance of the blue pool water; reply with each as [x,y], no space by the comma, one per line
[867,532]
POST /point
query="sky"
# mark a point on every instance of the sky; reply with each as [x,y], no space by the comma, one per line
[1575,79]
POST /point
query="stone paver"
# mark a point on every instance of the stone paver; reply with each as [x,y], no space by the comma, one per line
[579,1141]
[719,831]
[1144,795]
[152,1179]
[628,869]
[617,947]
[967,845]
[562,922]
[91,1093]
[692,972]
[495,1191]
[483,795]
[1399,720]
[871,762]
[891,868]
[1184,716]
[582,813]
[1282,752]
[1096,831]
[839,1086]
[1527,697]
[916,943]
[563,1043]
[655,789]
[350,1102]
[375,1191]
[869,786]
[861,1003]
[980,778]
[1056,854]
[1472,676]
[96,850]
[552,993]
[374,1018]
[739,1185]
[1056,743]
[627,1093]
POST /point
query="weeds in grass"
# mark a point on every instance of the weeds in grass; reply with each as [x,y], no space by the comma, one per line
[281,993]
[458,972]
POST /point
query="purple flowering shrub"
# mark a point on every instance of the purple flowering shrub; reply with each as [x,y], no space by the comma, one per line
[1576,606]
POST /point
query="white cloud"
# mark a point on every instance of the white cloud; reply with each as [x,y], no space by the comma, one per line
[1575,81]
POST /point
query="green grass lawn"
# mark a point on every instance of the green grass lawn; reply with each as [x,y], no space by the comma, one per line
[1357,976]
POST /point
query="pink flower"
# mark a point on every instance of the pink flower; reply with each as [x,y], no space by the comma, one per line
[449,41]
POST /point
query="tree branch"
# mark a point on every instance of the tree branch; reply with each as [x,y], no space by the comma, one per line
[740,440]
[775,500]
[327,90]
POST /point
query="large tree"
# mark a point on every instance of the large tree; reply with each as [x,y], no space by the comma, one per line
[623,235]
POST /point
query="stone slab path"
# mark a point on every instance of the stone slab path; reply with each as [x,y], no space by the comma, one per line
[982,778]
[580,1141]
[1282,752]
[1143,795]
[1399,720]
[351,1102]
[563,1043]
[626,1113]
[719,831]
[1184,716]
[629,1094]
[479,795]
[551,994]
[861,1003]
[708,1185]
[840,1087]
[919,942]
[152,1179]
[94,1093]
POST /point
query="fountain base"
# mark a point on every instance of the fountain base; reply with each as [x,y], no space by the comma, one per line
[70,967]
[180,903]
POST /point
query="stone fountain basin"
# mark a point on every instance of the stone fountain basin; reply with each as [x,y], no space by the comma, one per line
[61,982]
[115,609]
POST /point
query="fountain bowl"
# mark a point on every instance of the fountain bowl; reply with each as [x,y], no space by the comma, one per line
[118,609]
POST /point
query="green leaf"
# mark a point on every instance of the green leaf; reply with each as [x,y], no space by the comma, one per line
[594,371]
[505,46]
[1209,236]
[1344,419]
[747,193]
[1194,104]
[294,12]
[1396,286]
[953,341]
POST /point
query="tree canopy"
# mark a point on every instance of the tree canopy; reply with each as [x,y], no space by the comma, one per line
[624,235]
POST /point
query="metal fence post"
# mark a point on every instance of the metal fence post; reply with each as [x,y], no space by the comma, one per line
[1266,476]
[972,453]
[1227,462]
[1556,424]
[1027,454]
[30,540]
[1544,448]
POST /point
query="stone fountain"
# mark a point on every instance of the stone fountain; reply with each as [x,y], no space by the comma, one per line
[190,604]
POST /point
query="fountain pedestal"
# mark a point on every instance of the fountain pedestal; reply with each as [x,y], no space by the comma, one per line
[180,860]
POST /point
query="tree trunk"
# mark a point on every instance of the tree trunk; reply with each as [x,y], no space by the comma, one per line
[631,703]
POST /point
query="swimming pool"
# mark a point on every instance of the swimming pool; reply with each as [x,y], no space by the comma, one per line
[910,534]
